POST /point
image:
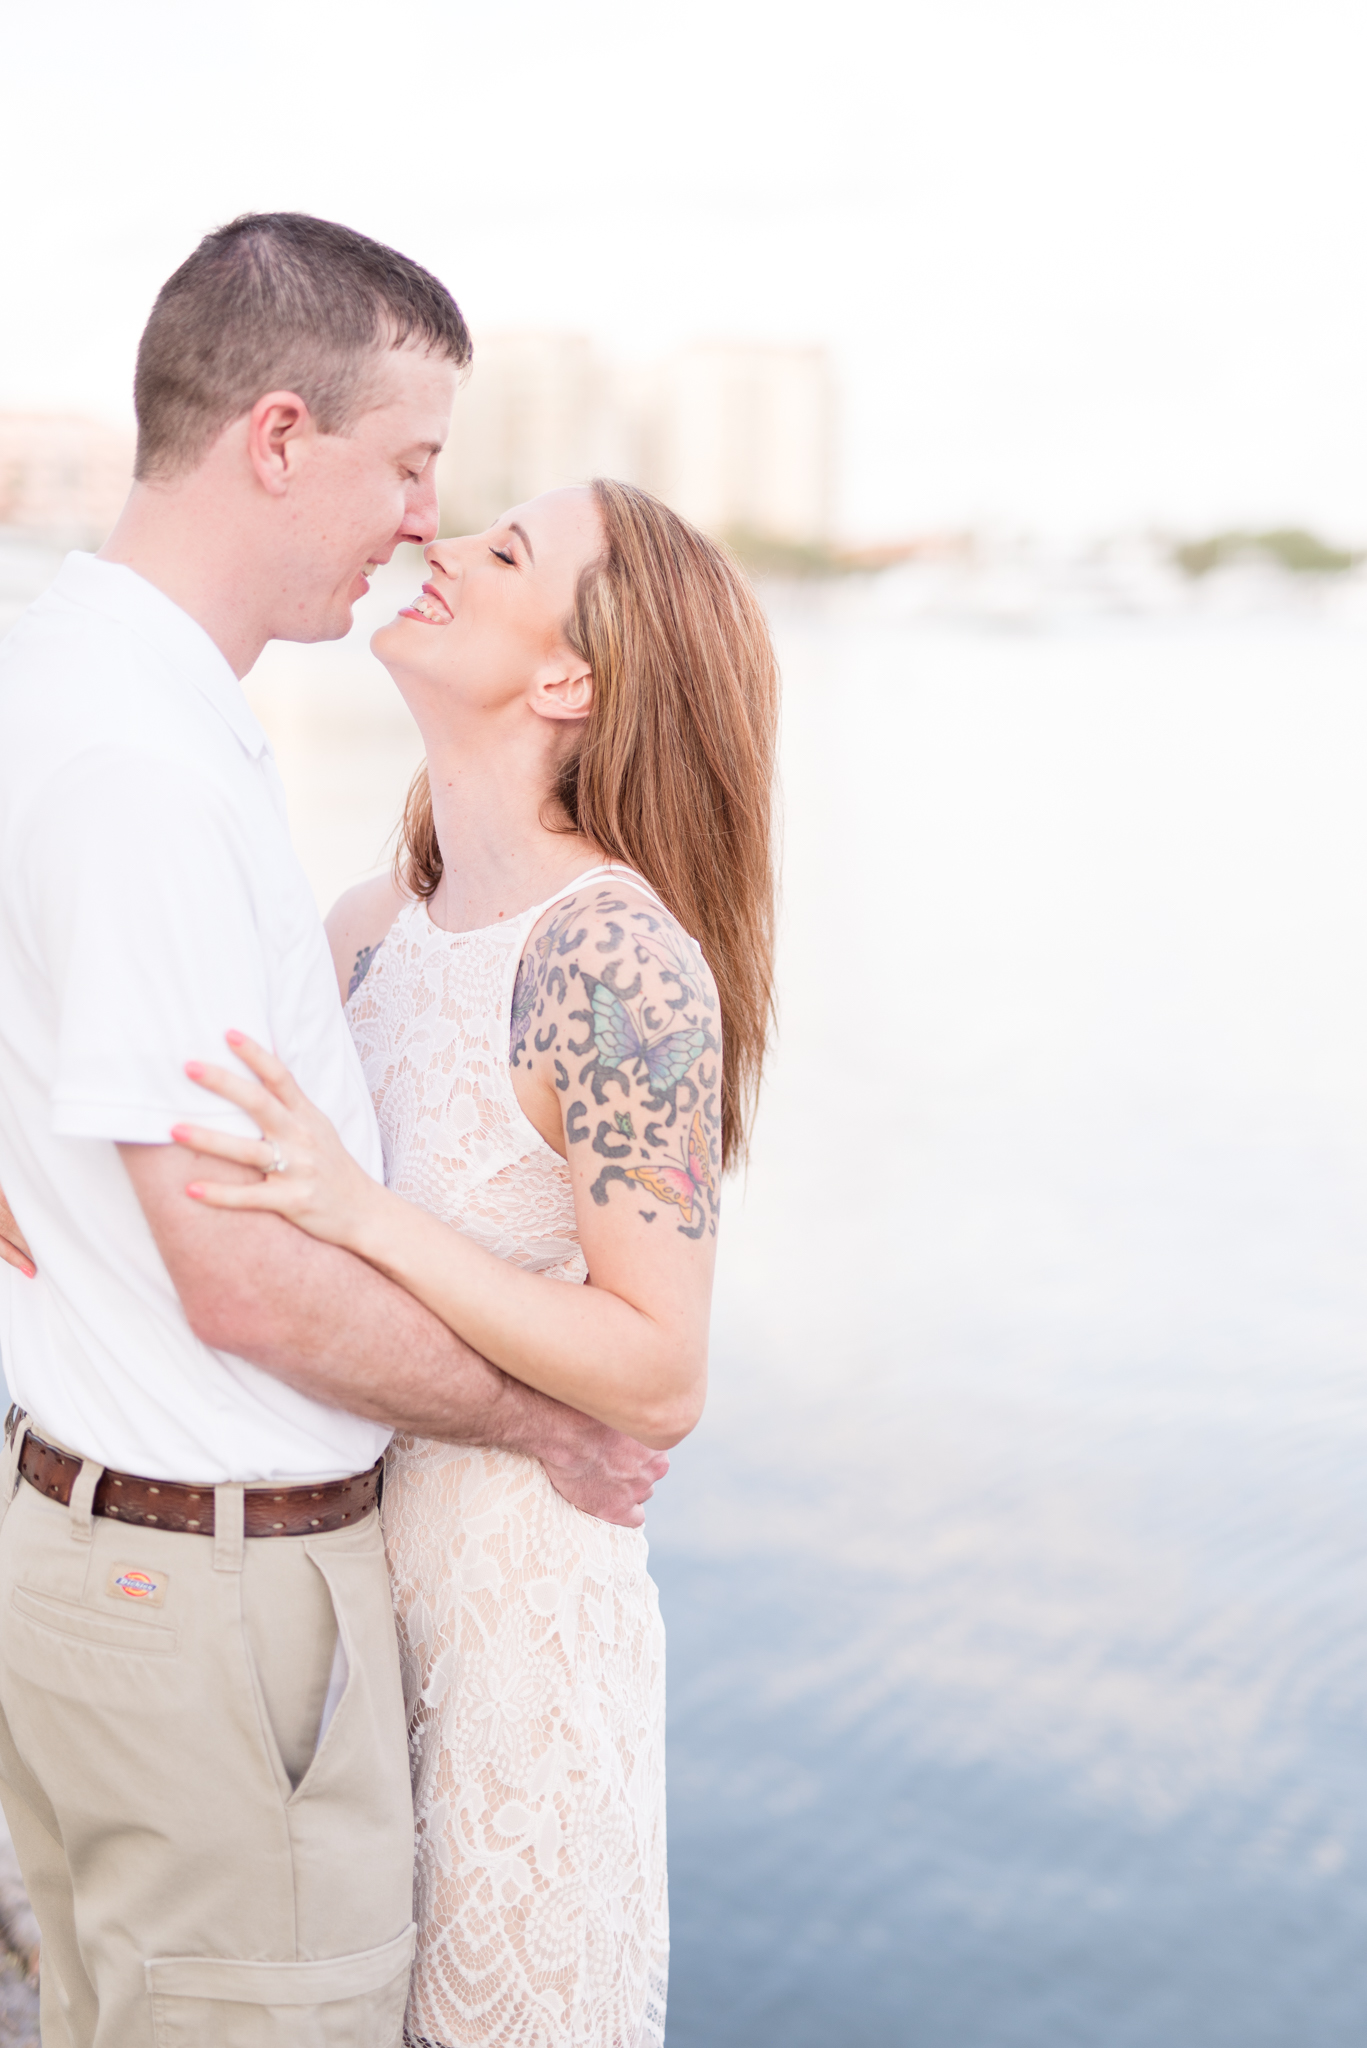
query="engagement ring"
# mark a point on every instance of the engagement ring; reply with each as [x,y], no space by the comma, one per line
[279,1163]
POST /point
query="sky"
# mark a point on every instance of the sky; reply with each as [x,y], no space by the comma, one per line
[1080,264]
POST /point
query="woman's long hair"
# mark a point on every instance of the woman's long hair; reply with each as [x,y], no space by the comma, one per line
[673,770]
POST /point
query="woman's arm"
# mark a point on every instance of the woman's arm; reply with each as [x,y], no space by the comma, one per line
[356,926]
[616,1060]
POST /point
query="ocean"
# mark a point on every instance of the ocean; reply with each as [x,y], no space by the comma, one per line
[1014,1579]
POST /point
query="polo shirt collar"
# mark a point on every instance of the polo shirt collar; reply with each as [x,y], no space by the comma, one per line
[117,592]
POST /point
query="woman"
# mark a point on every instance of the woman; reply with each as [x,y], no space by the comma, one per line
[543,1038]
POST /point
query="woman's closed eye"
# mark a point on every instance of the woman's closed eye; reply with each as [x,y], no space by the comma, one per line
[505,555]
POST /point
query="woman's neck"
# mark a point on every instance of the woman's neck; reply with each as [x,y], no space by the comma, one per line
[497,855]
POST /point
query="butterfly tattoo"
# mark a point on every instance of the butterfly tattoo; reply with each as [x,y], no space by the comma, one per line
[624,1047]
[682,1186]
[643,1048]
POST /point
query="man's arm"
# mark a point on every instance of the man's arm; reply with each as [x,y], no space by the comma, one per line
[151,954]
[330,1325]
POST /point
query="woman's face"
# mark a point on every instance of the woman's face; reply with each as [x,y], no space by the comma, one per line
[489,627]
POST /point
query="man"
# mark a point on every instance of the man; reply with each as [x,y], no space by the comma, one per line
[191,1572]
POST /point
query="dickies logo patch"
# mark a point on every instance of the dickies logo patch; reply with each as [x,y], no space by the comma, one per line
[135,1582]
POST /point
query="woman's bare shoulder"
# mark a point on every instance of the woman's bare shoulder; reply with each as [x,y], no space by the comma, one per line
[614,1011]
[618,917]
[356,926]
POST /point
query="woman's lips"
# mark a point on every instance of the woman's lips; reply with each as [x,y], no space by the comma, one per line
[431,608]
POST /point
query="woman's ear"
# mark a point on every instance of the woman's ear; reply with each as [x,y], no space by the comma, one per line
[564,692]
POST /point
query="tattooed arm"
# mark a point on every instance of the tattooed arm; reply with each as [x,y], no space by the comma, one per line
[616,1060]
[356,926]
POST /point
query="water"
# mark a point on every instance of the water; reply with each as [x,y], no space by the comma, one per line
[1014,1579]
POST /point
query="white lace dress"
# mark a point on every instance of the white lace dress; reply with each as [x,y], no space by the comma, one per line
[530,1635]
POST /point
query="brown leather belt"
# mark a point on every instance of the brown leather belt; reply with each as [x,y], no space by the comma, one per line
[189,1510]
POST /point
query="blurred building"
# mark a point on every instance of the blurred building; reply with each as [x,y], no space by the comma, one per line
[536,412]
[62,478]
[739,438]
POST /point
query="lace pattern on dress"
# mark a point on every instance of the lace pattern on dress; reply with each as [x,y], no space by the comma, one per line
[530,1635]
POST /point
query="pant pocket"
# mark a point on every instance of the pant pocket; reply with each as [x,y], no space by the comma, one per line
[354,2001]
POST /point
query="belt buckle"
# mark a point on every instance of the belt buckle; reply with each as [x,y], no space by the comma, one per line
[13,1419]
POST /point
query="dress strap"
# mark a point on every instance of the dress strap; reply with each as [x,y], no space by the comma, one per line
[605,871]
[617,871]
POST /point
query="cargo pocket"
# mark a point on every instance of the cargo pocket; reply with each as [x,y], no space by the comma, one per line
[354,2001]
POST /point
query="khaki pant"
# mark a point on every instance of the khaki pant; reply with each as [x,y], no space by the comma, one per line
[201,1877]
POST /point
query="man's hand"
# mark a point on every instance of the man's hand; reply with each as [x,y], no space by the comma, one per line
[594,1468]
[604,1473]
[14,1249]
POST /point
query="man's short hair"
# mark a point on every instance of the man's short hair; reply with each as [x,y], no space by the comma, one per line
[272,302]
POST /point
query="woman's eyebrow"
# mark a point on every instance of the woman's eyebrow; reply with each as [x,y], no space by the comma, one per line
[521,533]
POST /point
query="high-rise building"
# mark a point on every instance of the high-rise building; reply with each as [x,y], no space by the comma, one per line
[62,478]
[537,410]
[738,437]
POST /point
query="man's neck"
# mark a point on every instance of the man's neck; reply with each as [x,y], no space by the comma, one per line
[174,537]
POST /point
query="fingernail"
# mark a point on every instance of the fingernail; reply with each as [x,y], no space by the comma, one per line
[180,1132]
[234,1037]
[194,1068]
[29,1272]
[195,1188]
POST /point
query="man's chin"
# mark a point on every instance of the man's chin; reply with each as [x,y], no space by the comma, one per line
[334,624]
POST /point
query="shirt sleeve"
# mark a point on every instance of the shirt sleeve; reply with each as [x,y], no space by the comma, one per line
[145,922]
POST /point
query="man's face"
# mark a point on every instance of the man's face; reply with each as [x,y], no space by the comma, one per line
[358,495]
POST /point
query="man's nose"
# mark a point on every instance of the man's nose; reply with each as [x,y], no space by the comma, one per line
[424,514]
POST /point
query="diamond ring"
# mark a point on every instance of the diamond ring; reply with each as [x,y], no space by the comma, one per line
[279,1163]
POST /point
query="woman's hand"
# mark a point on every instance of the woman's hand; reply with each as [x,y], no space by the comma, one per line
[14,1249]
[307,1173]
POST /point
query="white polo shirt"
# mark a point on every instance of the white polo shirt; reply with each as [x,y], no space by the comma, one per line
[149,900]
